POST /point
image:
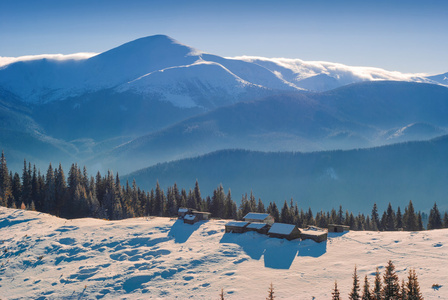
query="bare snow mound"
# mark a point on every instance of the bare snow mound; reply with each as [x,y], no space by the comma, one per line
[44,257]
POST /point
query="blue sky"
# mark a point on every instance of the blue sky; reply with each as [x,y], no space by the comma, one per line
[406,36]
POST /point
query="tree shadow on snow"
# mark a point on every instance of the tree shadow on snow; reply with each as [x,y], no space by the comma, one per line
[181,232]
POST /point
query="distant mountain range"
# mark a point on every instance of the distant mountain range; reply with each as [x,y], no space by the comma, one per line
[355,179]
[154,100]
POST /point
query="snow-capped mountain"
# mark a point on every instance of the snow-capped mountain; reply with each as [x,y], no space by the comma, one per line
[160,67]
[156,67]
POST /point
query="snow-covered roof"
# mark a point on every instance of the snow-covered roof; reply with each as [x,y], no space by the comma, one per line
[237,224]
[183,209]
[312,232]
[256,225]
[256,216]
[190,217]
[281,228]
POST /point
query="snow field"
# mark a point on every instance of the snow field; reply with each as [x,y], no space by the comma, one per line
[44,257]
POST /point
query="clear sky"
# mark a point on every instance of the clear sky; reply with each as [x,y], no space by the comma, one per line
[398,35]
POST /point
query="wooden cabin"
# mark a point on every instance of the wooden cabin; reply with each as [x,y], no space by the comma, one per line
[262,228]
[190,219]
[259,217]
[201,215]
[236,226]
[338,228]
[314,233]
[284,231]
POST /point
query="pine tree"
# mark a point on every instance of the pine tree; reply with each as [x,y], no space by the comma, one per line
[375,218]
[271,293]
[419,222]
[17,189]
[260,206]
[50,192]
[445,220]
[399,219]
[366,290]
[413,288]
[335,294]
[285,215]
[390,219]
[26,185]
[376,293]
[5,182]
[391,288]
[434,220]
[403,292]
[354,294]
[410,218]
[197,194]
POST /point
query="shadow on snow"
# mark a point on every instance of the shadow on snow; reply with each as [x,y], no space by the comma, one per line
[181,232]
[277,253]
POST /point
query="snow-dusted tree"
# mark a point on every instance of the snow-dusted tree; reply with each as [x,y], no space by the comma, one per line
[412,287]
[391,288]
[354,294]
[376,292]
[366,295]
[335,294]
[271,292]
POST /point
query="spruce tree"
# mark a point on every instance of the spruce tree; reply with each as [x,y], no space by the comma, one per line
[412,287]
[5,182]
[285,215]
[399,219]
[366,290]
[445,220]
[375,218]
[260,206]
[354,294]
[410,218]
[376,293]
[403,292]
[391,288]
[271,293]
[434,220]
[335,294]
[390,219]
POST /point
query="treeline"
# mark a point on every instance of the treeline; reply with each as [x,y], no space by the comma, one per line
[79,195]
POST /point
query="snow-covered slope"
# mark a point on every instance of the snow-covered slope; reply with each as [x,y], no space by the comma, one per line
[44,257]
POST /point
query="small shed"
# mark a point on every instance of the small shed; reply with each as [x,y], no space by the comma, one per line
[201,215]
[182,212]
[314,233]
[236,226]
[284,231]
[338,228]
[190,219]
[262,228]
[259,217]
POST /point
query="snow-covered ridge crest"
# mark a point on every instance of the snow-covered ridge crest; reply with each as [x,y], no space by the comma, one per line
[4,60]
[297,70]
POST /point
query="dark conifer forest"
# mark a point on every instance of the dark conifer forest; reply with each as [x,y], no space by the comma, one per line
[78,195]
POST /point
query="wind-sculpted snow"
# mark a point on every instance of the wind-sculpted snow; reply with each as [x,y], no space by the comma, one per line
[44,257]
